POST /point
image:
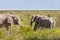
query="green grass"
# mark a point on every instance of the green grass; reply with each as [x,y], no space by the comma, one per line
[26,32]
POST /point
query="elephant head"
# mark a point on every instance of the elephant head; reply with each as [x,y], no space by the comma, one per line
[16,20]
[36,18]
[33,19]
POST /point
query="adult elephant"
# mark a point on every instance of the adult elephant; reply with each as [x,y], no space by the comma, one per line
[8,19]
[43,21]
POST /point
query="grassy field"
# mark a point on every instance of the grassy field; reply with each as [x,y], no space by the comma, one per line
[26,32]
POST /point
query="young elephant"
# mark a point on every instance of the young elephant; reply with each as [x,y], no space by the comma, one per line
[43,21]
[8,19]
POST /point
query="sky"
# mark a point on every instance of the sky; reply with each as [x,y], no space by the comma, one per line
[30,4]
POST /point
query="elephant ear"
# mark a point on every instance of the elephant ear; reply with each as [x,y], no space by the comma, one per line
[15,17]
[33,19]
[10,20]
[19,20]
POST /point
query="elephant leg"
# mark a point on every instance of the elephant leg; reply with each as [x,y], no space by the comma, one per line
[0,25]
[36,26]
[50,26]
[7,26]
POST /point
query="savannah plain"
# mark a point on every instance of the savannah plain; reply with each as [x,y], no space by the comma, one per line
[26,32]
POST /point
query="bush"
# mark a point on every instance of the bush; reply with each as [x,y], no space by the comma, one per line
[41,34]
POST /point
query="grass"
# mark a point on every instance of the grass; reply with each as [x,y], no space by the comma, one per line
[26,32]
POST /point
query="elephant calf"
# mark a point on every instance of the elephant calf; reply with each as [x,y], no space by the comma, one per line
[8,19]
[43,21]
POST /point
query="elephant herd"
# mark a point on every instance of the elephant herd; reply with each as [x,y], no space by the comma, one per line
[40,21]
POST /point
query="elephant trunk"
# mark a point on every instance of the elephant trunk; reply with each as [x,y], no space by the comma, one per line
[31,23]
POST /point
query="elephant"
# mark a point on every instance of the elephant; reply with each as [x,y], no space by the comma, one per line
[8,19]
[43,21]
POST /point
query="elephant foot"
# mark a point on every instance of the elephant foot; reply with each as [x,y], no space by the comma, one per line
[7,26]
[34,29]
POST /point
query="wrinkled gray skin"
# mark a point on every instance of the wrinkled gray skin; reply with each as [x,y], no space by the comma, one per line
[43,21]
[8,19]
